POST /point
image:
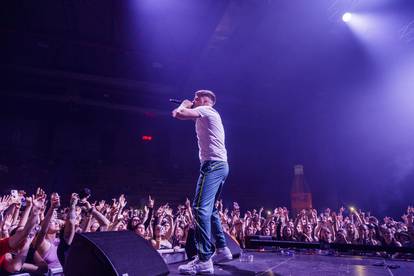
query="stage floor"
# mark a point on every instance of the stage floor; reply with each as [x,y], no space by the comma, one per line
[269,263]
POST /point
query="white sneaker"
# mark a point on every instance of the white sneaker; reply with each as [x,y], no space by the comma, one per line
[197,267]
[222,255]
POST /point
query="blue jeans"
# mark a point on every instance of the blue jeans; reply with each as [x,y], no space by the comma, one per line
[207,220]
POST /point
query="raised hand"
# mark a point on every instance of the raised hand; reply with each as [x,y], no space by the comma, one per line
[160,211]
[5,202]
[55,200]
[7,223]
[29,202]
[150,203]
[100,206]
[122,201]
[187,203]
[169,211]
[187,103]
[38,203]
[410,220]
[87,205]
[74,199]
[40,194]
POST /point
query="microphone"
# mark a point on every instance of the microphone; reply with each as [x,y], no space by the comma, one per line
[175,101]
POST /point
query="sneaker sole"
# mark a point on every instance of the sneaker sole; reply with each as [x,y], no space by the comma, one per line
[198,273]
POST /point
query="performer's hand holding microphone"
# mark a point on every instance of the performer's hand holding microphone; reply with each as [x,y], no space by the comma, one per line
[184,103]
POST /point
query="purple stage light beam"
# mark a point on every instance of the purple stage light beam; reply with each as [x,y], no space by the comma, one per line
[347,17]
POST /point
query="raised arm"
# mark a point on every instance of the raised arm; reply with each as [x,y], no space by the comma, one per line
[184,111]
[15,264]
[148,212]
[69,230]
[33,220]
[26,213]
[54,204]
[102,220]
[169,216]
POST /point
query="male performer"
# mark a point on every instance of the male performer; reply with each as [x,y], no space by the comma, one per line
[213,172]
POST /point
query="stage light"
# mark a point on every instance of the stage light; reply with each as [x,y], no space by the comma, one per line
[352,209]
[347,17]
[146,138]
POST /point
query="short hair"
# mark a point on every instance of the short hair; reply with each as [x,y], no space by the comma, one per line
[207,93]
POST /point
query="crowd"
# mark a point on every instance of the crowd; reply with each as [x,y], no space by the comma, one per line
[36,231]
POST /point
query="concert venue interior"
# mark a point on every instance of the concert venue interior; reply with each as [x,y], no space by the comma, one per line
[317,103]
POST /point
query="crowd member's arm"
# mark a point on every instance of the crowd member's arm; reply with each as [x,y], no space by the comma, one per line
[410,223]
[260,212]
[358,218]
[100,218]
[335,225]
[220,206]
[189,211]
[313,214]
[15,264]
[318,227]
[286,214]
[148,211]
[21,235]
[5,226]
[70,224]
[40,244]
[5,202]
[267,221]
[169,216]
[85,220]
[36,269]
[121,205]
[147,216]
[16,212]
[298,220]
[26,213]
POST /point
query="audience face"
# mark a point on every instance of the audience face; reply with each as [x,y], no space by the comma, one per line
[94,227]
[388,235]
[140,230]
[364,231]
[166,227]
[326,235]
[158,231]
[350,229]
[251,231]
[308,229]
[287,232]
[179,233]
[54,226]
[135,221]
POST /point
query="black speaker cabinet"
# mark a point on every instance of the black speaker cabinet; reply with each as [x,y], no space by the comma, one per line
[120,253]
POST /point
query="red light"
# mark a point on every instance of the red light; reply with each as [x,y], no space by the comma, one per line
[146,138]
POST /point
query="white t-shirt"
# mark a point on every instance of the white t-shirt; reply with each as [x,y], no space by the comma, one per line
[210,135]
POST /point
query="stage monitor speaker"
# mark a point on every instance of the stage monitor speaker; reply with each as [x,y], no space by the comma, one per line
[191,250]
[113,253]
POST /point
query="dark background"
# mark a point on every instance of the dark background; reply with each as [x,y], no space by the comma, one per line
[83,81]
